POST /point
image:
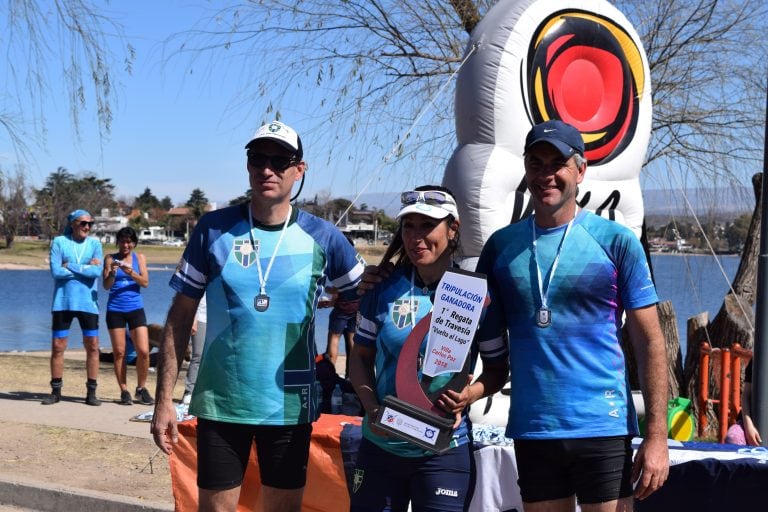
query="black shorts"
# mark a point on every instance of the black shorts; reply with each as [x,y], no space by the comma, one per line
[223,450]
[133,319]
[596,469]
[61,320]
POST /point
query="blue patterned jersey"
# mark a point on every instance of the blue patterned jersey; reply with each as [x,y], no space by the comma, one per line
[76,285]
[568,380]
[258,367]
[387,316]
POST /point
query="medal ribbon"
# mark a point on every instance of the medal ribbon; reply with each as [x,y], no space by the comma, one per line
[263,278]
[544,287]
[79,255]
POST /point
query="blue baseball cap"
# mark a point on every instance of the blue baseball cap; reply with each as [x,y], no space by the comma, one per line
[562,136]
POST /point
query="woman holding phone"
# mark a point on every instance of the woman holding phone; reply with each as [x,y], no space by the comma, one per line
[125,273]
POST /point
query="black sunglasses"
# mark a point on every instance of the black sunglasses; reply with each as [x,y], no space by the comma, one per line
[84,223]
[275,162]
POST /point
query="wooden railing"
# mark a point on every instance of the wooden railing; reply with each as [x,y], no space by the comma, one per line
[726,365]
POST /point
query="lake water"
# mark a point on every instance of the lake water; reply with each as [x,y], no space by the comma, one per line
[25,310]
[693,283]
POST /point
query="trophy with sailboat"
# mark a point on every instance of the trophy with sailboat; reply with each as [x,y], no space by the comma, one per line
[449,329]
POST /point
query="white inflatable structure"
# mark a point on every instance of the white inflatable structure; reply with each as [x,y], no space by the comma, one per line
[531,61]
[535,60]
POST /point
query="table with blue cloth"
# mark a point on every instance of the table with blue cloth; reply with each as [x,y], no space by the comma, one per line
[702,477]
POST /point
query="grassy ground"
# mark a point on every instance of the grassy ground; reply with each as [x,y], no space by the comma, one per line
[34,253]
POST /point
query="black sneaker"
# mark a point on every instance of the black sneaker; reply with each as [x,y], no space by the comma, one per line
[90,399]
[51,399]
[142,395]
[125,398]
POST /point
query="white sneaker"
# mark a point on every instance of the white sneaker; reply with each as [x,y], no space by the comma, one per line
[186,398]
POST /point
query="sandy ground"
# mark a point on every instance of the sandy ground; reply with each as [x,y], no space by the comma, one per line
[72,444]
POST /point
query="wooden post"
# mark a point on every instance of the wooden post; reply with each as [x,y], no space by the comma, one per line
[703,395]
[697,326]
[725,392]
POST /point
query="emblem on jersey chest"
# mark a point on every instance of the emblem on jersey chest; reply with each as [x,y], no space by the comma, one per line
[402,314]
[245,253]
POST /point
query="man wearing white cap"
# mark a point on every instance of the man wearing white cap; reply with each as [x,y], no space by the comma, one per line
[263,265]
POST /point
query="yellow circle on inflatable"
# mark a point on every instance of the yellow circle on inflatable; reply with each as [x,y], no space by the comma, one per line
[681,426]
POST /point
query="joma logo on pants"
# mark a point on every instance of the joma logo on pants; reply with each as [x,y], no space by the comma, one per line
[446,492]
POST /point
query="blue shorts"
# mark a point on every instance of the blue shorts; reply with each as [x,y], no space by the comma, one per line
[596,469]
[339,322]
[384,481]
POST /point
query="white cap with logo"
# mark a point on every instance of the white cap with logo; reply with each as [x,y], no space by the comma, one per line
[280,133]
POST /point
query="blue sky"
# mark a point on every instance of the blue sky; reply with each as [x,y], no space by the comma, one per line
[172,131]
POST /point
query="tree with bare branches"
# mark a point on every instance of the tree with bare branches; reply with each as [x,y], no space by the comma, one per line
[371,66]
[56,49]
[13,205]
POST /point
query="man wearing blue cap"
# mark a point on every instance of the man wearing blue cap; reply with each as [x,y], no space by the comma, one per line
[561,282]
[75,261]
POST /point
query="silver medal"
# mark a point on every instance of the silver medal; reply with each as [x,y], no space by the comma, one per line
[261,302]
[543,317]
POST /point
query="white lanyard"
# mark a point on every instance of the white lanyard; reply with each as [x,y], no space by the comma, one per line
[78,255]
[263,278]
[410,299]
[544,318]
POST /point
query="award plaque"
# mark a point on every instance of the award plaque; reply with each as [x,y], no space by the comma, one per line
[450,328]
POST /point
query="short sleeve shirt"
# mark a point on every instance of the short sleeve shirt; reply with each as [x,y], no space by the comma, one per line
[258,367]
[568,380]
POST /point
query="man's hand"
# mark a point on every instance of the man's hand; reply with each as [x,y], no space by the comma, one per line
[373,275]
[163,427]
[651,467]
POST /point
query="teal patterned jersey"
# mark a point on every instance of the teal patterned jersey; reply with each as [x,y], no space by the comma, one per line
[258,367]
[568,380]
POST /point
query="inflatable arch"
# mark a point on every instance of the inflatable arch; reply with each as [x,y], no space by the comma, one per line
[534,60]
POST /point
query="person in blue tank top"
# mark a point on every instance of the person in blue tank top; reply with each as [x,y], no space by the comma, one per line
[75,263]
[560,282]
[262,266]
[125,274]
[392,474]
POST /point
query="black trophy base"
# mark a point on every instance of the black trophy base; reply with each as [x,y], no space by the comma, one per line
[415,425]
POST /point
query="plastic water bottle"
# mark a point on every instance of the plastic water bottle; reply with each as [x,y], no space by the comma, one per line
[336,400]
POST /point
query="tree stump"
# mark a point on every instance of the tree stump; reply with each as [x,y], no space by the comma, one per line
[668,321]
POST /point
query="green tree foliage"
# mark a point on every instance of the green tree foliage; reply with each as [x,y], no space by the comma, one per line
[146,201]
[736,232]
[166,203]
[241,199]
[197,203]
[64,192]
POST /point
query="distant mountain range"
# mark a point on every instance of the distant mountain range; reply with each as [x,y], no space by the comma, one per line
[722,201]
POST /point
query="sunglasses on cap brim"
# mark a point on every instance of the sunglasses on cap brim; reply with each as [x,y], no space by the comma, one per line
[433,197]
